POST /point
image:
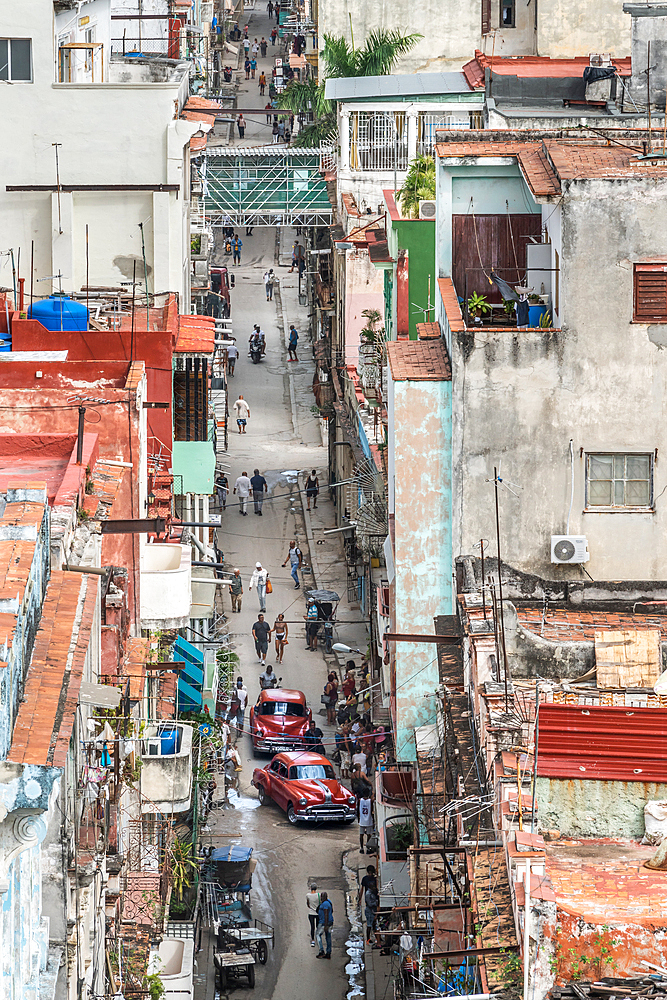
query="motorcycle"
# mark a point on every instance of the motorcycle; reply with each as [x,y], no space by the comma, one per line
[256,353]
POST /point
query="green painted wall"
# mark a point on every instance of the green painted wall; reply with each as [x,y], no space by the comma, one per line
[417,236]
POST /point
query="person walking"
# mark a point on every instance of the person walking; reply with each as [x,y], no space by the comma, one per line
[260,579]
[369,889]
[331,692]
[268,680]
[236,591]
[297,257]
[262,46]
[261,633]
[269,112]
[253,67]
[242,414]
[269,279]
[365,820]
[312,625]
[246,66]
[277,10]
[259,488]
[295,557]
[344,748]
[274,132]
[270,8]
[242,490]
[221,489]
[239,702]
[293,341]
[255,48]
[313,738]
[232,355]
[246,47]
[280,631]
[312,489]
[274,35]
[236,242]
[262,83]
[325,919]
[313,900]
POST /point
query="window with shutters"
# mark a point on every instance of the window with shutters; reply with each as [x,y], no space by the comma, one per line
[619,482]
[650,293]
[486,16]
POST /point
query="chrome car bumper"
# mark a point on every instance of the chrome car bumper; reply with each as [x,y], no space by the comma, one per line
[277,745]
[318,814]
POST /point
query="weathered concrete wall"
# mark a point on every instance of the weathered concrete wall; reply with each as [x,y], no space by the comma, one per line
[530,655]
[595,808]
[526,394]
[420,435]
[567,28]
[653,30]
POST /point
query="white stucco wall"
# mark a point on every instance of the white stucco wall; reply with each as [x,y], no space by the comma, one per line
[109,134]
[568,28]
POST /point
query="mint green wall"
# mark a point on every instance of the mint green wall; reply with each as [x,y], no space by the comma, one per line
[417,236]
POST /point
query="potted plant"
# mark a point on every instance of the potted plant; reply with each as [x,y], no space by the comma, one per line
[478,306]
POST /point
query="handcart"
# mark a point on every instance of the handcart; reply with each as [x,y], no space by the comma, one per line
[255,937]
[233,962]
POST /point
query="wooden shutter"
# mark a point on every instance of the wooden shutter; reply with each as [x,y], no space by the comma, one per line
[650,293]
[486,16]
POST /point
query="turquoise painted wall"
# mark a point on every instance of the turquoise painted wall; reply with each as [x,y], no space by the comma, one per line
[421,432]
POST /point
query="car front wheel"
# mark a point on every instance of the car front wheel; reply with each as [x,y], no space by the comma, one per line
[291,815]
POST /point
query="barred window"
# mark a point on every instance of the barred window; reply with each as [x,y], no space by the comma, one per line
[619,481]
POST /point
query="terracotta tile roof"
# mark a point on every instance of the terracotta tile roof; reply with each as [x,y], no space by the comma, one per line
[451,304]
[196,335]
[564,625]
[538,172]
[428,331]
[536,67]
[531,156]
[45,722]
[106,481]
[419,360]
[195,103]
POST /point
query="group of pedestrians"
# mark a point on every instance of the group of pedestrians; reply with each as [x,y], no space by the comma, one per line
[261,633]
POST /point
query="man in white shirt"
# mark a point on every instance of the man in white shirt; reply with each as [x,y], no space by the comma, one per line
[258,579]
[232,355]
[242,490]
[242,414]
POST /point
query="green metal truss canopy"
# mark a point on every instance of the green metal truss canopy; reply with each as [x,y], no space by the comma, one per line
[270,186]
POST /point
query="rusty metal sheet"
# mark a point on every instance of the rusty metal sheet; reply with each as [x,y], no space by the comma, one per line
[602,743]
[627,657]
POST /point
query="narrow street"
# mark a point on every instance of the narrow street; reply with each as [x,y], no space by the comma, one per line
[283,437]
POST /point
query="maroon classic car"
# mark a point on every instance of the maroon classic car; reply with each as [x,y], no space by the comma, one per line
[304,784]
[279,720]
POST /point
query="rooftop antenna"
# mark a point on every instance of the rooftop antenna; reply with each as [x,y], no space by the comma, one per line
[647,71]
[429,308]
[60,223]
[52,277]
[143,254]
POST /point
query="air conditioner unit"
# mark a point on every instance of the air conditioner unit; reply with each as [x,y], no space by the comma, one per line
[154,747]
[427,210]
[569,549]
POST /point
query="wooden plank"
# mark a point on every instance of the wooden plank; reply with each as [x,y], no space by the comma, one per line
[627,657]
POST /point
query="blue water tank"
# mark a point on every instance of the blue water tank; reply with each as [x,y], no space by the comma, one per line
[59,312]
[169,740]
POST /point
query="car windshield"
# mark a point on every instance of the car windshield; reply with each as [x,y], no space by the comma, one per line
[312,771]
[282,708]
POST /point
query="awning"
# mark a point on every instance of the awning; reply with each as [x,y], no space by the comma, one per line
[99,695]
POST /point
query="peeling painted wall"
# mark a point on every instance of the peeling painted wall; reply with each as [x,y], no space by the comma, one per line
[420,442]
[595,808]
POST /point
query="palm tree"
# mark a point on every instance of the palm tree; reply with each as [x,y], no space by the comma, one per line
[419,185]
[377,57]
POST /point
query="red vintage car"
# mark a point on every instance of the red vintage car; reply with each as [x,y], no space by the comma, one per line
[279,720]
[304,785]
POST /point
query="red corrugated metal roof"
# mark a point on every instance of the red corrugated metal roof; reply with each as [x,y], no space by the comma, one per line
[602,743]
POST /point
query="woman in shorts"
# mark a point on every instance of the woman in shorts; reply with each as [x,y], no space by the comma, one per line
[280,632]
[312,489]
